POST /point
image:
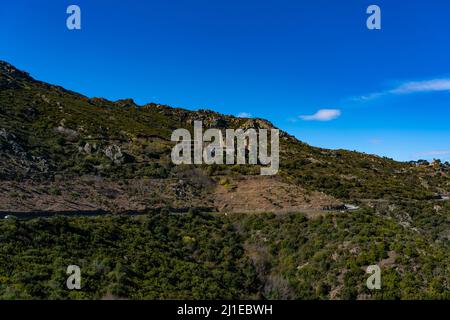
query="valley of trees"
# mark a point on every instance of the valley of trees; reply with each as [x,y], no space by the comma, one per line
[213,256]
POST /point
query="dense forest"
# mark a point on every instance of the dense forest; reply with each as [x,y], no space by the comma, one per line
[213,256]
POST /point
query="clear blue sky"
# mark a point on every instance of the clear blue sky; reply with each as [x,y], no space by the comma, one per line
[387,92]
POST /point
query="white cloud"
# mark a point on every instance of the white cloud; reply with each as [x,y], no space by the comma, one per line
[433,153]
[244,115]
[434,85]
[370,96]
[322,115]
[423,86]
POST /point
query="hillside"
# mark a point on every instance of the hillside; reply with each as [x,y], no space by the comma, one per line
[63,152]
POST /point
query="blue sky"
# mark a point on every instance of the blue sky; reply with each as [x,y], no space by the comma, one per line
[311,67]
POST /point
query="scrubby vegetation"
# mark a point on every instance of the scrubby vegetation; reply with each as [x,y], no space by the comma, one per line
[205,256]
[325,258]
[152,257]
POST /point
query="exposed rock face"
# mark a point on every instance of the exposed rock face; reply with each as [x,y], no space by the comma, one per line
[69,133]
[9,143]
[14,156]
[89,148]
[9,76]
[126,103]
[114,153]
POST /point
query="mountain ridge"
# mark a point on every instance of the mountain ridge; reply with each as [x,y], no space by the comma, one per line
[48,132]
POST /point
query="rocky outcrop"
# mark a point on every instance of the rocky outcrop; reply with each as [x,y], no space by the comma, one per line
[114,153]
[15,158]
[10,77]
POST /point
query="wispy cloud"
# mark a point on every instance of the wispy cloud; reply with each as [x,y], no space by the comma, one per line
[322,115]
[370,96]
[423,86]
[244,115]
[433,153]
[434,85]
[375,141]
